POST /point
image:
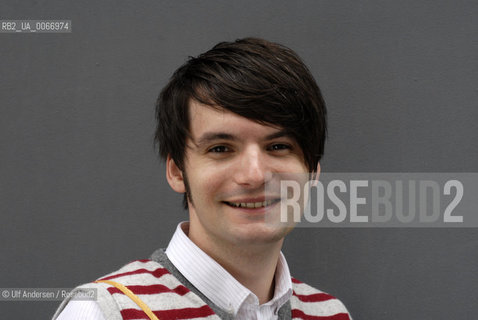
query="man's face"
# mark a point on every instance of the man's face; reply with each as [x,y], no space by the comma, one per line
[228,162]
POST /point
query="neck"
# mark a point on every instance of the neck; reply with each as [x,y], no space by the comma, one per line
[254,268]
[252,265]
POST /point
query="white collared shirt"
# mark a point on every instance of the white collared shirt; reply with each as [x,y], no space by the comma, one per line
[211,279]
[219,286]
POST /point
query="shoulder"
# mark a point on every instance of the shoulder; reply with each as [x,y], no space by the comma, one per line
[153,284]
[138,271]
[307,301]
[103,293]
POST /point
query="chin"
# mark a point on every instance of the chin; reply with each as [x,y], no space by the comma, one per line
[259,234]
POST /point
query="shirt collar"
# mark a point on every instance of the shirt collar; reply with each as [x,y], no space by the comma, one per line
[215,282]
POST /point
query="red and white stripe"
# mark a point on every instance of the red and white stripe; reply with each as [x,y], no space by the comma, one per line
[308,303]
[169,299]
[160,290]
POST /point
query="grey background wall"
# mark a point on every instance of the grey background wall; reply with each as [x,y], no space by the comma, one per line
[82,191]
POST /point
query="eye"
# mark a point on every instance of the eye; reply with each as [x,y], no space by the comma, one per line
[219,149]
[279,146]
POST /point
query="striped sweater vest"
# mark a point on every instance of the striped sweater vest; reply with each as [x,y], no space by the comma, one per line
[170,298]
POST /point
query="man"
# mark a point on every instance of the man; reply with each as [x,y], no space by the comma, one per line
[228,121]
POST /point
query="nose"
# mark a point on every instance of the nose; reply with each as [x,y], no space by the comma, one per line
[252,169]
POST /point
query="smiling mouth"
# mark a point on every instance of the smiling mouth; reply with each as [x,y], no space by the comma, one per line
[252,205]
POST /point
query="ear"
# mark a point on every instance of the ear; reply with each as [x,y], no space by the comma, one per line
[174,175]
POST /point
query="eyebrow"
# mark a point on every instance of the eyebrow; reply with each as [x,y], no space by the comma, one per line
[209,137]
[279,134]
[213,136]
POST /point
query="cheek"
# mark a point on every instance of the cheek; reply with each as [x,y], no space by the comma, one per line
[208,183]
[292,165]
[215,182]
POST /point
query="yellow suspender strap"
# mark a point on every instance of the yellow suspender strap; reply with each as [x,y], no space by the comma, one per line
[133,297]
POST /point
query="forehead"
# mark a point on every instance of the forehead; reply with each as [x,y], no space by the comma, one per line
[204,118]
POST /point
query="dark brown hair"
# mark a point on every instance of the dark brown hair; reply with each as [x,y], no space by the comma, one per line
[254,78]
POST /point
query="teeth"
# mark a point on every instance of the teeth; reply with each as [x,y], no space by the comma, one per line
[251,204]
